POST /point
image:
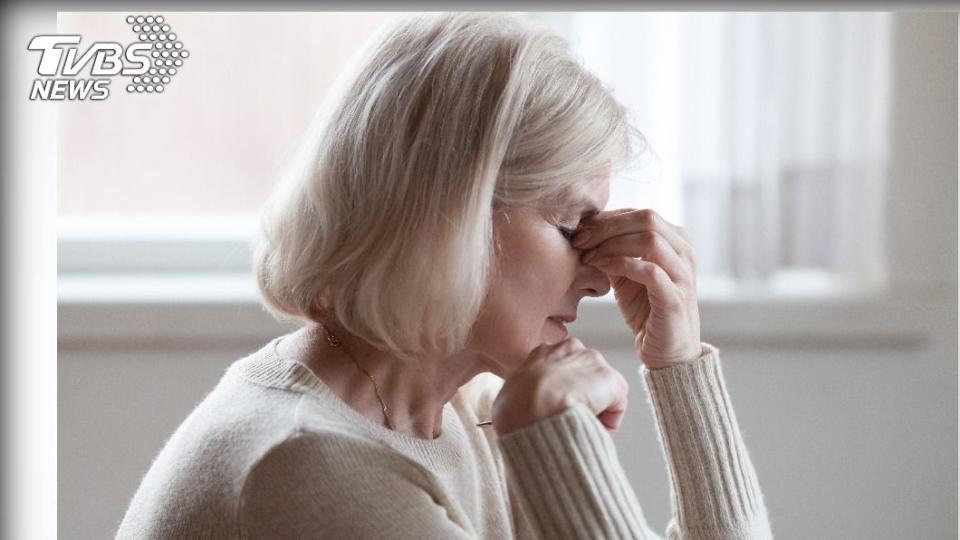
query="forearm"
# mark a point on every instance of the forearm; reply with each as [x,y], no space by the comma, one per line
[567,477]
[565,472]
[714,486]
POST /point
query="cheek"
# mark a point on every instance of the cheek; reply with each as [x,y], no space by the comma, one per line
[536,285]
[514,320]
[537,269]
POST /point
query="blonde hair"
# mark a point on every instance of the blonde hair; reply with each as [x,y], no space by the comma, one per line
[383,224]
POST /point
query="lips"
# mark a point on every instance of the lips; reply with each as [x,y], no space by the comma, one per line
[564,318]
[558,323]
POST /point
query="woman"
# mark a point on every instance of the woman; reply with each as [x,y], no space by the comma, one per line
[444,220]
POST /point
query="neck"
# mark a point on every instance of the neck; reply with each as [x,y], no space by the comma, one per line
[414,393]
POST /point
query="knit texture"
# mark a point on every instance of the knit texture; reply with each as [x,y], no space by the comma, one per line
[272,452]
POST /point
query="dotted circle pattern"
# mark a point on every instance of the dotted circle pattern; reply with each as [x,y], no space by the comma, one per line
[167,52]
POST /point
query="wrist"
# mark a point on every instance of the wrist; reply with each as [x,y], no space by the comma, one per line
[702,350]
[513,416]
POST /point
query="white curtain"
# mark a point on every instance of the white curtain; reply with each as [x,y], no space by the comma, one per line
[770,131]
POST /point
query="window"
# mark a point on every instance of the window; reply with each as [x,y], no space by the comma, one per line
[158,194]
[769,133]
[772,132]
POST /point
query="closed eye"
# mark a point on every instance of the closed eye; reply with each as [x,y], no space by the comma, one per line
[567,233]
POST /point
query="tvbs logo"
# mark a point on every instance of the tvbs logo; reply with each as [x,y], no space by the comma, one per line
[149,63]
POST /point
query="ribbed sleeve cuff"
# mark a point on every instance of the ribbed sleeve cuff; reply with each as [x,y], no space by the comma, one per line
[566,475]
[713,483]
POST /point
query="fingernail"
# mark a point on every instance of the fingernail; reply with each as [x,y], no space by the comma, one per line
[582,238]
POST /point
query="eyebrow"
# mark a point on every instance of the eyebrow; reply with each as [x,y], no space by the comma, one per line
[584,207]
[587,209]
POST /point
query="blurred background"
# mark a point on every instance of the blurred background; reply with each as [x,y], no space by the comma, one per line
[811,156]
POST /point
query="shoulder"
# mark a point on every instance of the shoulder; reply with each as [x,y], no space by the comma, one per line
[329,452]
[328,484]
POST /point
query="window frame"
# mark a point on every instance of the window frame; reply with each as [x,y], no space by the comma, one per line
[181,281]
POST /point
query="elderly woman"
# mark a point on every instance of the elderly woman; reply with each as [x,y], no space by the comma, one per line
[442,226]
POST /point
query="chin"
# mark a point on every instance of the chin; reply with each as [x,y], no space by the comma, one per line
[550,337]
[549,334]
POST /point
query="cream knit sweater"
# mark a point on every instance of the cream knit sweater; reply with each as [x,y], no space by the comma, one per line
[272,452]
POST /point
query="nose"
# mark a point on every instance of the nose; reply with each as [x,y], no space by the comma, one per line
[591,279]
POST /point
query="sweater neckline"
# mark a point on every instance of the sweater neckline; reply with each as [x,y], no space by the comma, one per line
[269,368]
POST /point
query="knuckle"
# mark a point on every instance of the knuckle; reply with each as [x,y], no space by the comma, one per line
[648,217]
[649,238]
[658,242]
[650,270]
[595,355]
[600,369]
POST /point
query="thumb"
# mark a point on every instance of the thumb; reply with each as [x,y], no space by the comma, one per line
[612,417]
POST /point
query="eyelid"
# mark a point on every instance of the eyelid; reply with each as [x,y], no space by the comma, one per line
[568,232]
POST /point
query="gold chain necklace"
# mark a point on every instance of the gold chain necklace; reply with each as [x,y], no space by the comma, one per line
[334,341]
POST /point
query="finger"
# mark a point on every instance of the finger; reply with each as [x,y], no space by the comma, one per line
[660,288]
[613,405]
[652,246]
[603,226]
[570,344]
[613,417]
[603,214]
[550,352]
[590,222]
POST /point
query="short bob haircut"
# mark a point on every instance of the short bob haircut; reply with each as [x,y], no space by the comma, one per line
[383,224]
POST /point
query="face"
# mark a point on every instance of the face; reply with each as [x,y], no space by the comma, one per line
[540,276]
